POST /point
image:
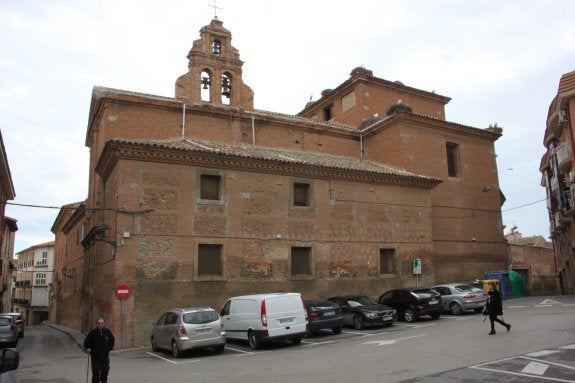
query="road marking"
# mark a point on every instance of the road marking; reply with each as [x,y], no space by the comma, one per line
[549,301]
[306,343]
[172,361]
[238,350]
[353,332]
[516,307]
[535,368]
[392,341]
[542,305]
[542,353]
[568,347]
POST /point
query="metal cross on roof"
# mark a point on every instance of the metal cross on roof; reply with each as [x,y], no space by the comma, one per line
[215,6]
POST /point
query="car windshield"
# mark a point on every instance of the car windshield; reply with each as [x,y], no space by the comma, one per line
[465,288]
[200,317]
[322,305]
[360,301]
[424,293]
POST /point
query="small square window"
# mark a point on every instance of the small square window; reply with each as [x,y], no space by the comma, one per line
[301,261]
[210,187]
[301,194]
[210,260]
[386,261]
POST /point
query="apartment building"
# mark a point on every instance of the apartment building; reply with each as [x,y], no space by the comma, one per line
[35,268]
[558,178]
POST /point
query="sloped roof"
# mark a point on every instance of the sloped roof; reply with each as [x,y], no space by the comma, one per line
[280,157]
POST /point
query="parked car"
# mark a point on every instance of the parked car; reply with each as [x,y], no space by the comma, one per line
[182,329]
[323,314]
[412,303]
[8,331]
[268,317]
[459,297]
[9,361]
[360,311]
[19,321]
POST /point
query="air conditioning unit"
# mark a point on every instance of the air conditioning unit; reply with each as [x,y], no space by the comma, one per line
[562,116]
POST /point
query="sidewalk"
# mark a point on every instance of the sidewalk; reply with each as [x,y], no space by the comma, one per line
[75,335]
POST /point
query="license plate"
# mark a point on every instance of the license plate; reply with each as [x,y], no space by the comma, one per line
[385,319]
[433,302]
[286,320]
[329,313]
[203,330]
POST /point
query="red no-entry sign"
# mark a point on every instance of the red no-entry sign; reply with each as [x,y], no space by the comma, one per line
[122,291]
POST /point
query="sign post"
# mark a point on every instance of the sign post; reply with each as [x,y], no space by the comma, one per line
[122,292]
[416,266]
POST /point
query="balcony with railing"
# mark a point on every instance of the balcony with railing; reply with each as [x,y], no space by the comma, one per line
[564,158]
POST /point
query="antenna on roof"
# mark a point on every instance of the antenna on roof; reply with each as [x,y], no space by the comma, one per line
[215,6]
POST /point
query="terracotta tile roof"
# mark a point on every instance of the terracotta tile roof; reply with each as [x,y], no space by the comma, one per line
[567,83]
[323,160]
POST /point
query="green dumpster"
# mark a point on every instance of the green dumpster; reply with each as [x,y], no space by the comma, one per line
[517,284]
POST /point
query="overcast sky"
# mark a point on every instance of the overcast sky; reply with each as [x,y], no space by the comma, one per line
[499,61]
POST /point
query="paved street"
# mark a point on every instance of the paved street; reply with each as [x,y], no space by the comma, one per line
[541,345]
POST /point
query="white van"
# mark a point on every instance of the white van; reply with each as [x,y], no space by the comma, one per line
[265,318]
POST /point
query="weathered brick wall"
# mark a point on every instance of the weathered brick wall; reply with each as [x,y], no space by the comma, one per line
[346,227]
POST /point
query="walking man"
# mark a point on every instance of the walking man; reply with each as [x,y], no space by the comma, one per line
[98,343]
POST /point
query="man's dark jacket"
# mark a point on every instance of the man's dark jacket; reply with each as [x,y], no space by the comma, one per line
[100,343]
[494,304]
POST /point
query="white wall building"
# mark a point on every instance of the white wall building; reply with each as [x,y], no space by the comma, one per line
[35,267]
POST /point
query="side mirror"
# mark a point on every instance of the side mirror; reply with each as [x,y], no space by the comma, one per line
[10,360]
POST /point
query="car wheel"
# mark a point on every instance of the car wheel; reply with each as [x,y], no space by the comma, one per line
[254,342]
[358,323]
[220,348]
[409,316]
[175,350]
[455,308]
[154,344]
[336,330]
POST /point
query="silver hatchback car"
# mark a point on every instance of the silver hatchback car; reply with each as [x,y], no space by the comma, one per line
[460,297]
[8,331]
[183,329]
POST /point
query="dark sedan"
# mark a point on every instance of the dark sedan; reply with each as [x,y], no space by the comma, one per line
[360,311]
[323,314]
[412,303]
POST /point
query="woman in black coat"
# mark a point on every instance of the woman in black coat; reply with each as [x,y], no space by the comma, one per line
[494,307]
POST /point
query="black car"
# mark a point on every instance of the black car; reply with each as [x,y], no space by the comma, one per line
[323,314]
[360,311]
[412,302]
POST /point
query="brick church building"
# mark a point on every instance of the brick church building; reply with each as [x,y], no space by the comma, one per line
[199,197]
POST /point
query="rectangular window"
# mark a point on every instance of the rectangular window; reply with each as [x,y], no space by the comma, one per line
[44,261]
[301,261]
[387,261]
[452,159]
[210,260]
[210,187]
[301,193]
[328,113]
[40,279]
